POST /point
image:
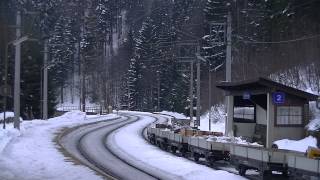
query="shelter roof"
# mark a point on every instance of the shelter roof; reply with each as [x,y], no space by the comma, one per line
[266,85]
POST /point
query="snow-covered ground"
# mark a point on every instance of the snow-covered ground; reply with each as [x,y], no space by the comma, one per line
[174,114]
[217,119]
[301,145]
[140,153]
[8,115]
[31,154]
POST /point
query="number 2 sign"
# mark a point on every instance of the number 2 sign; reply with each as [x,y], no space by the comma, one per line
[278,97]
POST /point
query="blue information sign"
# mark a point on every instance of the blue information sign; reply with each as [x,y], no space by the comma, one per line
[246,95]
[278,97]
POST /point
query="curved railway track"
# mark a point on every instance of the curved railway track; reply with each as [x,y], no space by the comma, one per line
[87,145]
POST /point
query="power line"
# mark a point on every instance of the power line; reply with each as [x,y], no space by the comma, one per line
[272,16]
[280,42]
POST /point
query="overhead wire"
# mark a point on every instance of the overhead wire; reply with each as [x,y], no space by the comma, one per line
[284,41]
[271,17]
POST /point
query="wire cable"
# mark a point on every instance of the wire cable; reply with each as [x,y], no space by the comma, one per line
[280,42]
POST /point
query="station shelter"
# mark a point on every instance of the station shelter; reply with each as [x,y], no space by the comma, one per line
[261,110]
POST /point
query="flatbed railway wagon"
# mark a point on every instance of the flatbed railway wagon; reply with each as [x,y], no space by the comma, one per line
[264,160]
[179,142]
[151,132]
[167,139]
[201,147]
[302,167]
[158,136]
[191,142]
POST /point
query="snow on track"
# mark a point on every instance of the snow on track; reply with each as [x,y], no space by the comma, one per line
[87,144]
[34,156]
[129,144]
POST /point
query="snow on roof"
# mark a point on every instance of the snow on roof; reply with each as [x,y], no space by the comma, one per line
[300,145]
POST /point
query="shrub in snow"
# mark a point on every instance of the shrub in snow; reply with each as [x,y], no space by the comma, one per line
[74,114]
[314,124]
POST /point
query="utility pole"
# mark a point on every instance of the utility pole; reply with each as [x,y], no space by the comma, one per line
[45,81]
[229,100]
[17,74]
[210,101]
[191,91]
[198,87]
[228,55]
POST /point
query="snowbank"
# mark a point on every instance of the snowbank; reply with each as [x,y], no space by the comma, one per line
[31,153]
[301,145]
[8,115]
[174,114]
[6,135]
[217,118]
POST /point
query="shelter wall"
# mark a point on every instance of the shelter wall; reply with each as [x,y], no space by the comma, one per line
[261,115]
[293,133]
[244,129]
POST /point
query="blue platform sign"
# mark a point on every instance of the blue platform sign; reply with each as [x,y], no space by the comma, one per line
[278,97]
[246,95]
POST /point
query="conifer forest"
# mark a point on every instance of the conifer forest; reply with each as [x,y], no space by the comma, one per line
[137,54]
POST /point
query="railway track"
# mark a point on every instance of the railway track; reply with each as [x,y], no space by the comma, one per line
[87,145]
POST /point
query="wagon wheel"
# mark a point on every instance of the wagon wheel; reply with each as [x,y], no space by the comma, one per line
[285,173]
[242,170]
[196,157]
[165,147]
[173,149]
[227,156]
[211,160]
[267,174]
[183,152]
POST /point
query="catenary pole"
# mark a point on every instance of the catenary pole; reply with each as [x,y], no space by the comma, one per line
[229,103]
[17,68]
[198,88]
[45,81]
[191,91]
